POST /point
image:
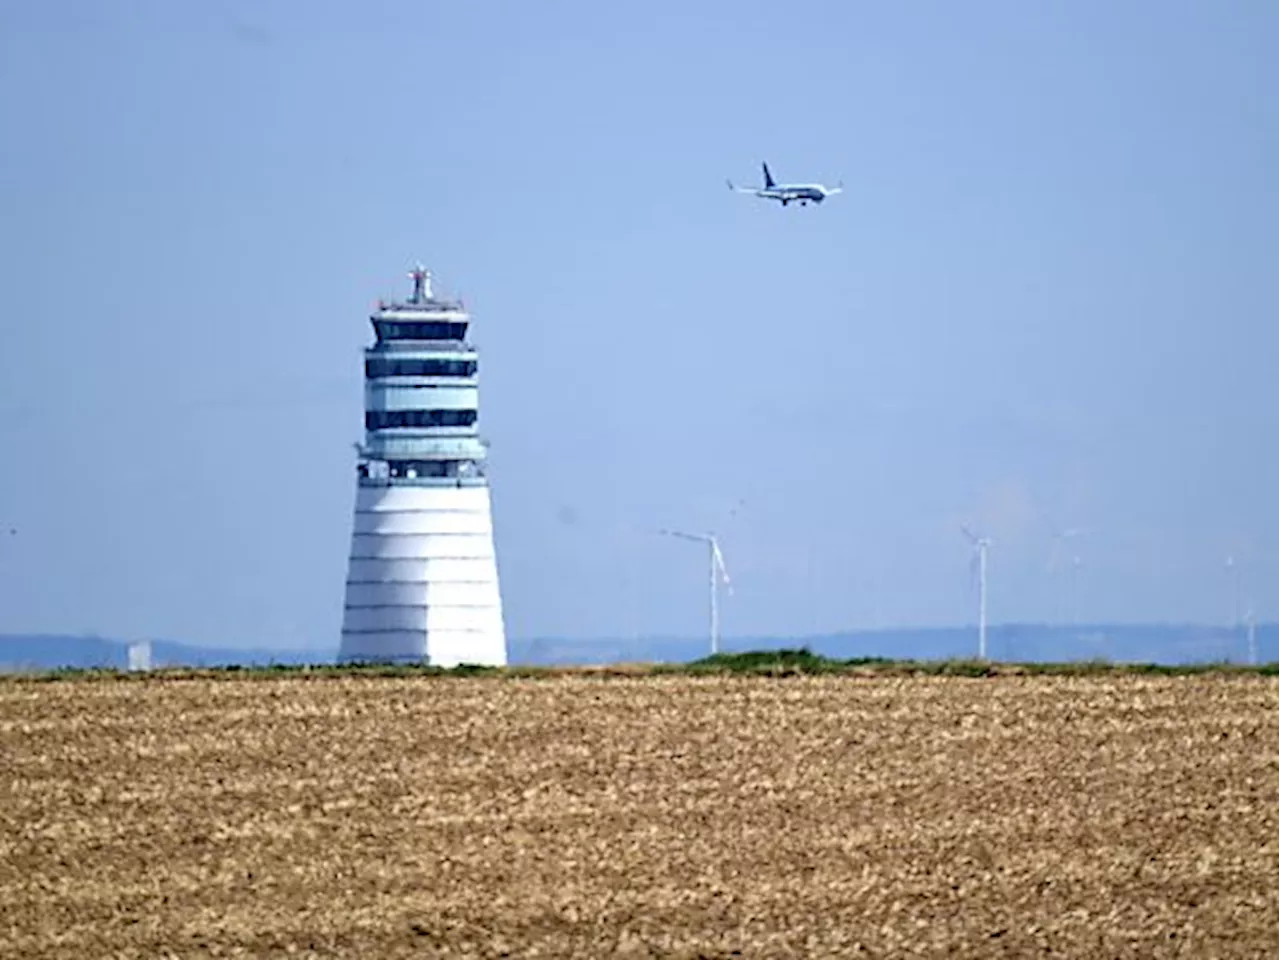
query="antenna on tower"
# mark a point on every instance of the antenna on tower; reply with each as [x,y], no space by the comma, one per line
[718,572]
[980,545]
[421,278]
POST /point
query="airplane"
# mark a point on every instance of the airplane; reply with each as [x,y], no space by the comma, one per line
[802,193]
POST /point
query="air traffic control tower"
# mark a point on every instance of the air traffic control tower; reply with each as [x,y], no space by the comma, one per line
[422,581]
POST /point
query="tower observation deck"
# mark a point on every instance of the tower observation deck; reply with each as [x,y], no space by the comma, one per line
[422,580]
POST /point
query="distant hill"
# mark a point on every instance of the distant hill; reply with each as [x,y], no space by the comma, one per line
[1147,643]
[19,652]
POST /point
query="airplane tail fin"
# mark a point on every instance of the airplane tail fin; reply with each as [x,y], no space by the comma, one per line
[768,177]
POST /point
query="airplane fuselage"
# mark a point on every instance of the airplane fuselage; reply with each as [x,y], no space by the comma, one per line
[794,193]
[785,193]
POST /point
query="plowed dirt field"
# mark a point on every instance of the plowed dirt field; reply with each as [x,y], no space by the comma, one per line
[669,816]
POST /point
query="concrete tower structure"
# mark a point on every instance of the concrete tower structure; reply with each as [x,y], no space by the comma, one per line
[422,581]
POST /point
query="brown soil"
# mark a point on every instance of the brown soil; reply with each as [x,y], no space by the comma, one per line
[649,816]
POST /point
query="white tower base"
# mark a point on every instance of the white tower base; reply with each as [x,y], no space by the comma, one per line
[422,583]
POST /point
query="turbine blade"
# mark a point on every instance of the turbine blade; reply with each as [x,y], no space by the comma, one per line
[683,536]
[719,561]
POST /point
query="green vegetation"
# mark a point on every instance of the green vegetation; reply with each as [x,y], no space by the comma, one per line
[804,661]
[771,663]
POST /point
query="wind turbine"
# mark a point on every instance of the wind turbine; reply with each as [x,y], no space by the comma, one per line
[715,561]
[1251,636]
[1060,538]
[980,545]
[1233,574]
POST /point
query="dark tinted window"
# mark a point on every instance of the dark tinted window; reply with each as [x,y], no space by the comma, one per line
[426,330]
[427,468]
[381,419]
[388,367]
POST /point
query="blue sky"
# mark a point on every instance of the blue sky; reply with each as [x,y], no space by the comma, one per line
[1050,288]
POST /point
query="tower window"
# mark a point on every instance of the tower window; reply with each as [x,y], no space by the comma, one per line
[420,330]
[394,367]
[385,419]
[415,469]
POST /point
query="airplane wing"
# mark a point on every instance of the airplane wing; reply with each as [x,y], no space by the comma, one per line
[740,189]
